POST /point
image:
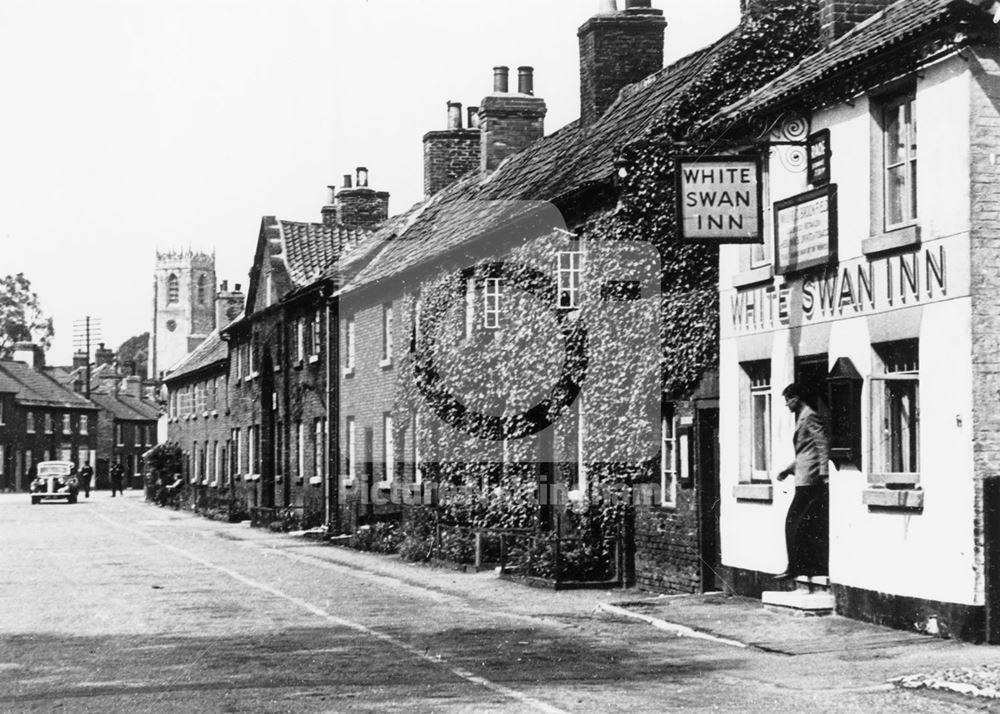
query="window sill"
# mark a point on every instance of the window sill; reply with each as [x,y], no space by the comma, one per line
[903,499]
[761,492]
[248,378]
[348,371]
[761,274]
[896,239]
[253,477]
[204,415]
[384,485]
[297,364]
[349,482]
[385,363]
[313,359]
[215,412]
[277,368]
[315,480]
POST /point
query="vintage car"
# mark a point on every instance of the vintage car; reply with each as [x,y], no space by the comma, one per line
[55,481]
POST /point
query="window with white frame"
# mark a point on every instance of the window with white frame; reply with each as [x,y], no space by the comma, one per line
[470,305]
[387,332]
[2,460]
[119,434]
[317,332]
[568,272]
[491,303]
[138,429]
[300,450]
[352,445]
[668,458]
[349,340]
[1,411]
[300,339]
[239,361]
[84,424]
[895,410]
[388,446]
[67,424]
[758,406]
[194,462]
[29,422]
[318,447]
[48,423]
[252,436]
[238,441]
[899,160]
[218,461]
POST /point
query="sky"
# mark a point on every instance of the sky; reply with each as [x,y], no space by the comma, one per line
[133,125]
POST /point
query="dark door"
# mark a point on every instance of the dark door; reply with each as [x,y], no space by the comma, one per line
[369,473]
[706,464]
[266,430]
[810,374]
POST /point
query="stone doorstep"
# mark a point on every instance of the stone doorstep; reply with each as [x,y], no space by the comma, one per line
[798,602]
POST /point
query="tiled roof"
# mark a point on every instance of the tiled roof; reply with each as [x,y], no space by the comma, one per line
[212,350]
[35,388]
[310,248]
[557,165]
[125,408]
[899,22]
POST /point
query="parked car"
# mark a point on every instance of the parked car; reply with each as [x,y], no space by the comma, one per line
[55,481]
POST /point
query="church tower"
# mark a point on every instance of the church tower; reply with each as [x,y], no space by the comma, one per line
[183,306]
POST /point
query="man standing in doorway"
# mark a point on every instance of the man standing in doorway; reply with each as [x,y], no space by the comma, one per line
[807,523]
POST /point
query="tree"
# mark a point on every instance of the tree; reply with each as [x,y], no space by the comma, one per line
[135,349]
[21,317]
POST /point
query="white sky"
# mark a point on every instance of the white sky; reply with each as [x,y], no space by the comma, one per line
[127,125]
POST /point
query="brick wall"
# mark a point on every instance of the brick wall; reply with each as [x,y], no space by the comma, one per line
[509,123]
[449,155]
[667,557]
[617,50]
[837,17]
[985,275]
[361,207]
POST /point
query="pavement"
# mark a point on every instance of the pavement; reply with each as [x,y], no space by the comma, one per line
[116,605]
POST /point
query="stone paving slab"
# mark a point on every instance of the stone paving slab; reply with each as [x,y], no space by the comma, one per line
[746,621]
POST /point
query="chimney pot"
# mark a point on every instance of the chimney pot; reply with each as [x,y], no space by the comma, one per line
[473,117]
[607,7]
[500,79]
[225,286]
[362,177]
[347,180]
[238,287]
[636,4]
[525,80]
[454,115]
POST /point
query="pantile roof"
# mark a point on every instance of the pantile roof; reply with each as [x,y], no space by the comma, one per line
[211,351]
[901,21]
[37,388]
[553,167]
[310,248]
[126,407]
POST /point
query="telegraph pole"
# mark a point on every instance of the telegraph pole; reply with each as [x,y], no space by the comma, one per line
[84,331]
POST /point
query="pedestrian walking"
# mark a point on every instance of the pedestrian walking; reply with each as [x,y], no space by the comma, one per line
[86,476]
[807,523]
[117,474]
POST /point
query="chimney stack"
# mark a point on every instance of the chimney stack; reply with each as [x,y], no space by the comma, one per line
[509,123]
[103,355]
[838,17]
[80,359]
[132,386]
[451,153]
[617,48]
[29,353]
[358,206]
[228,304]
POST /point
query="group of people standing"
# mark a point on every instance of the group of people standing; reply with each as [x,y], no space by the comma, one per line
[85,477]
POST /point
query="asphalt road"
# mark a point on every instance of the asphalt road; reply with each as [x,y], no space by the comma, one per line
[114,605]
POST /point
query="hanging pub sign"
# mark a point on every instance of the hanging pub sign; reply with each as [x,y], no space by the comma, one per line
[818,151]
[719,199]
[805,230]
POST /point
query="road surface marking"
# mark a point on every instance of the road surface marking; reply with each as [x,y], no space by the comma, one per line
[358,627]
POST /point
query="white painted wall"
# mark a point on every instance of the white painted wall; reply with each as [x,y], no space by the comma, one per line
[929,554]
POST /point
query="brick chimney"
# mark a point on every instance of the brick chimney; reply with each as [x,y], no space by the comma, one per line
[356,206]
[132,386]
[838,17]
[509,122]
[80,359]
[617,48]
[451,153]
[228,304]
[29,353]
[102,355]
